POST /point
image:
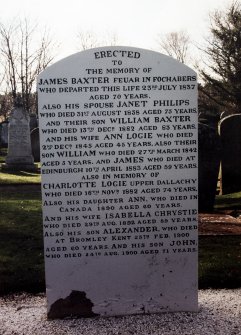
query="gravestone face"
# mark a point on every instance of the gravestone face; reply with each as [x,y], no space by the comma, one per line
[208,166]
[19,146]
[4,134]
[35,144]
[33,121]
[230,134]
[118,138]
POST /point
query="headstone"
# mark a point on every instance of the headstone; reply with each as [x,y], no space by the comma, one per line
[208,166]
[118,138]
[19,155]
[4,134]
[230,133]
[35,144]
[33,121]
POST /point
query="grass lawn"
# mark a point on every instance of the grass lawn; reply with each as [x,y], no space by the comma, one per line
[21,247]
[230,201]
[3,154]
[17,177]
[21,250]
[219,261]
[21,177]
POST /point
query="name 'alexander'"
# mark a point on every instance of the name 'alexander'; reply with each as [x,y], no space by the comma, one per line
[130,230]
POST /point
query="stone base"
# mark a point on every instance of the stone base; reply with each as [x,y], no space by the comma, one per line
[20,167]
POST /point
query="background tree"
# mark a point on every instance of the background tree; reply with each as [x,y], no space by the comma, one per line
[221,90]
[24,54]
[176,45]
[89,40]
[5,106]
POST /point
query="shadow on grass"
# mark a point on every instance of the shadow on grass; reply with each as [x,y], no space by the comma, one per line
[21,263]
[21,248]
[19,177]
[228,201]
[21,173]
[219,261]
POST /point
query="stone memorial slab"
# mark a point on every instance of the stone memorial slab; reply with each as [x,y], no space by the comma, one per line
[19,155]
[4,134]
[208,166]
[34,135]
[33,121]
[230,134]
[118,140]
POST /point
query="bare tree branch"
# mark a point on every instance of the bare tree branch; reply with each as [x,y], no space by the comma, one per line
[222,76]
[24,57]
[89,40]
[176,45]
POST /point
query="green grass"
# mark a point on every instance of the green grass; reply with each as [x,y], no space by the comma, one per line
[228,201]
[21,248]
[17,177]
[3,154]
[219,261]
[21,177]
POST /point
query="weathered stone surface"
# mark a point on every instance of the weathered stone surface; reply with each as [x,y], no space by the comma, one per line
[118,131]
[3,134]
[19,146]
[230,134]
[35,144]
[33,121]
[208,162]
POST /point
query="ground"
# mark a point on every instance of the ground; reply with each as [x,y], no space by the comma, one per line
[220,223]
